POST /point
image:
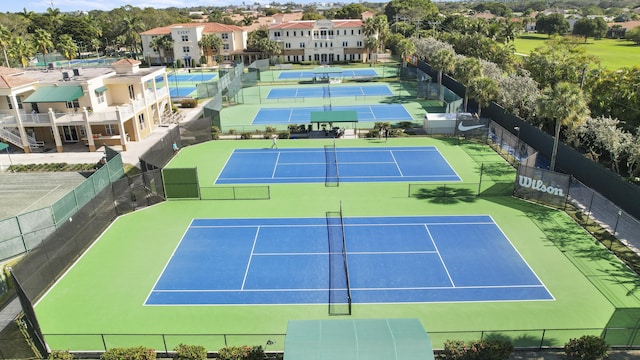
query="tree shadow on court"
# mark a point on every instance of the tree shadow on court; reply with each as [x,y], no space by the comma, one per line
[403,99]
[446,195]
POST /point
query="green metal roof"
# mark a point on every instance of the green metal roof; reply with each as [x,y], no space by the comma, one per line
[50,94]
[101,89]
[357,339]
[333,116]
[3,146]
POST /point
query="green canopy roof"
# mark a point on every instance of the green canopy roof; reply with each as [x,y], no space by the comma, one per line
[357,339]
[50,94]
[100,90]
[333,116]
[3,146]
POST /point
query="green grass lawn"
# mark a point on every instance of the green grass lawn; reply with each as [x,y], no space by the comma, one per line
[613,53]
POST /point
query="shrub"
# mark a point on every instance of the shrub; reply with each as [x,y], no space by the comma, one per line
[477,350]
[246,135]
[190,352]
[132,353]
[241,353]
[60,355]
[284,135]
[587,347]
[271,129]
[188,103]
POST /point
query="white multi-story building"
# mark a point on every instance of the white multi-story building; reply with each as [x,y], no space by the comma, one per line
[321,41]
[186,44]
[95,106]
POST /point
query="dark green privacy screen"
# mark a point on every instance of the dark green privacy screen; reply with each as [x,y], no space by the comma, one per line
[181,183]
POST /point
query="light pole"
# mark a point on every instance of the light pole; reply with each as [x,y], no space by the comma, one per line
[516,152]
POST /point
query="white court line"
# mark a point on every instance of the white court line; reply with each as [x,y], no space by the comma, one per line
[396,162]
[246,272]
[37,201]
[275,166]
[426,227]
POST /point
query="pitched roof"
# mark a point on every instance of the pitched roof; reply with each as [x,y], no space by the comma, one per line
[209,27]
[627,24]
[127,61]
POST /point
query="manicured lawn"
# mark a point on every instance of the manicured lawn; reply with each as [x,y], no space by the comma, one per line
[613,54]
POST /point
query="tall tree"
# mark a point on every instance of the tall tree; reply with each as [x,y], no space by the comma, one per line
[560,59]
[564,105]
[350,11]
[552,24]
[42,41]
[442,61]
[404,48]
[595,28]
[132,26]
[467,69]
[67,47]
[5,41]
[483,90]
[210,44]
[22,51]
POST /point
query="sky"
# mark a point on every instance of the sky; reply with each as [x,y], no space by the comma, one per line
[40,6]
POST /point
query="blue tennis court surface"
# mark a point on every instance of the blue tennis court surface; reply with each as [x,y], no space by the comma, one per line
[290,75]
[388,164]
[302,115]
[182,91]
[329,91]
[187,78]
[416,259]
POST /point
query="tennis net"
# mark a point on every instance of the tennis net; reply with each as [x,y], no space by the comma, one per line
[339,288]
[332,177]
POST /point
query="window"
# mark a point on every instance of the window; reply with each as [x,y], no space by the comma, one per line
[225,46]
[287,45]
[9,103]
[309,35]
[359,31]
[132,93]
[315,44]
[294,33]
[185,49]
[100,97]
[316,57]
[277,34]
[110,129]
[18,100]
[345,32]
[73,104]
[359,43]
[141,121]
[287,34]
[224,36]
[227,58]
[302,45]
[351,31]
[185,38]
[345,43]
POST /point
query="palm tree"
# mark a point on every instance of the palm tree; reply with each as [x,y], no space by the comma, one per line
[466,70]
[566,105]
[442,61]
[5,40]
[378,29]
[67,47]
[483,90]
[210,44]
[162,44]
[42,41]
[132,26]
[21,51]
[405,47]
[371,44]
[55,20]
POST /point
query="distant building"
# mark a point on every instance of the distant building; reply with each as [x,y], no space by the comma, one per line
[322,41]
[186,47]
[94,106]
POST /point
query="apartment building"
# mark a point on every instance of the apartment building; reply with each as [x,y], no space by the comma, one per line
[186,44]
[55,108]
[321,41]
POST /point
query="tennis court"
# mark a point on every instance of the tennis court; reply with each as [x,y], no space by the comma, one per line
[182,91]
[354,73]
[390,259]
[258,166]
[190,77]
[329,91]
[302,115]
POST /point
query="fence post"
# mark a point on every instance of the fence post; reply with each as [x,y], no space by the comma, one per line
[542,339]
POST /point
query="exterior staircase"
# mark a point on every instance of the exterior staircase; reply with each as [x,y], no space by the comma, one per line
[13,138]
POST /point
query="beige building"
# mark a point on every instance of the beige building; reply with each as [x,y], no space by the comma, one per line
[54,108]
[321,41]
[186,47]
